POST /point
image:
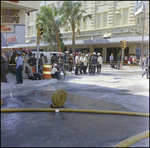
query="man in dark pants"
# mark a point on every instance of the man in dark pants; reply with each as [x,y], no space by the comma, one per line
[19,67]
[146,64]
[3,68]
[76,63]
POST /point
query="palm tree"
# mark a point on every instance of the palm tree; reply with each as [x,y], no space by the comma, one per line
[71,13]
[47,19]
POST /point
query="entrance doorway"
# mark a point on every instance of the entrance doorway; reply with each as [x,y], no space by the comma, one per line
[83,50]
[115,51]
[98,50]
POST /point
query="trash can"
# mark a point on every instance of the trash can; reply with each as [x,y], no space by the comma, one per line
[47,71]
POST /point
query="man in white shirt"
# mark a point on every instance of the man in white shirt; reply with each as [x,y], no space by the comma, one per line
[54,72]
[100,62]
[85,63]
[77,63]
[81,64]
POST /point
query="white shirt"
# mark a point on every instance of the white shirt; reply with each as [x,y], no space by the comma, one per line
[100,61]
[53,70]
[81,59]
[85,61]
[77,59]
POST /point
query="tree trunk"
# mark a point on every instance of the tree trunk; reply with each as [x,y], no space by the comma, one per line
[57,38]
[73,39]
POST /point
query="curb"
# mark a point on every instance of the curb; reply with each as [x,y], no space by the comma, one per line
[133,139]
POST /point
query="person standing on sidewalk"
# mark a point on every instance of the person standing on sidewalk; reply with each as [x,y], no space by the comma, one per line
[19,63]
[25,64]
[131,60]
[111,58]
[146,64]
[85,63]
[81,64]
[77,63]
[3,68]
[100,62]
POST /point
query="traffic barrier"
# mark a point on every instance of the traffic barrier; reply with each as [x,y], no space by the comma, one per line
[33,69]
[47,71]
[59,97]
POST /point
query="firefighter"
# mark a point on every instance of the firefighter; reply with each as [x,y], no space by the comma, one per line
[60,62]
[66,56]
[93,62]
[70,60]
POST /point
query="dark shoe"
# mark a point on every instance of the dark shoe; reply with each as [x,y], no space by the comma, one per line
[17,83]
[6,82]
[21,82]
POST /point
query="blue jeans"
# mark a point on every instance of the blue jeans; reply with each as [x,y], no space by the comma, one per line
[19,77]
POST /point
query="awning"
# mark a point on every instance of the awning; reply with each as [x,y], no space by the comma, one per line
[107,35]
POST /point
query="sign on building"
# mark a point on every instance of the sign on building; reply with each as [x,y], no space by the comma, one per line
[11,16]
[7,28]
[12,39]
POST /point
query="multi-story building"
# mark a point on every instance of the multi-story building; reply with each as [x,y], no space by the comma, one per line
[13,21]
[112,21]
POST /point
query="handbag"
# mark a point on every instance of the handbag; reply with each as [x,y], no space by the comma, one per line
[129,62]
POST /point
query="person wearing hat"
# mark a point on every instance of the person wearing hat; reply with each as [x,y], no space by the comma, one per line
[85,63]
[3,67]
[146,65]
[25,64]
[54,71]
[66,56]
[60,62]
[99,63]
[19,67]
[93,62]
[77,63]
[70,60]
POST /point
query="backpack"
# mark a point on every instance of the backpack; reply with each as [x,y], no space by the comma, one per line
[36,76]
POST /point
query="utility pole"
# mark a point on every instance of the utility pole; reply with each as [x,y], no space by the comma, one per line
[142,31]
[39,33]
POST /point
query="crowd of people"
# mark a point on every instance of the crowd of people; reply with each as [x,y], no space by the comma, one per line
[79,63]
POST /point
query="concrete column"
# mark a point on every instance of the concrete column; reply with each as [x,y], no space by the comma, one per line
[68,48]
[91,49]
[104,52]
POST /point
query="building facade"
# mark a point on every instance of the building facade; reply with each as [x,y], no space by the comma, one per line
[112,21]
[13,21]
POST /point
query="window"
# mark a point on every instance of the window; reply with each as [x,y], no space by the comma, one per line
[98,2]
[125,16]
[31,15]
[31,30]
[98,20]
[58,5]
[85,24]
[117,18]
[104,20]
[85,4]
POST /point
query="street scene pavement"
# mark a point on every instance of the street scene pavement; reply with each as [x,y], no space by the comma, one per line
[114,90]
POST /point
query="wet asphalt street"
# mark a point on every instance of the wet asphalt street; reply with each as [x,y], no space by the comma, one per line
[111,90]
